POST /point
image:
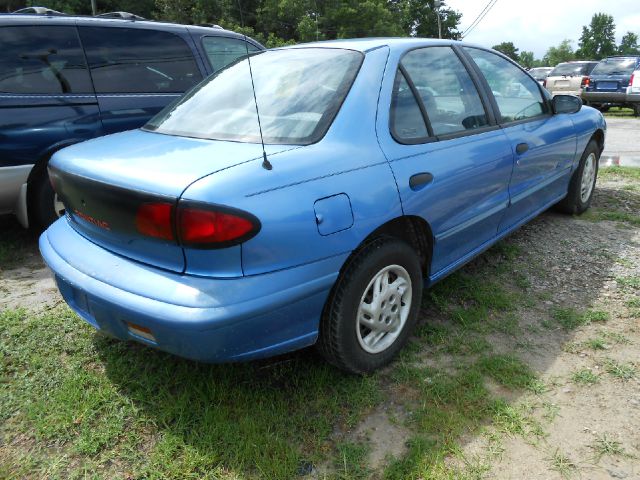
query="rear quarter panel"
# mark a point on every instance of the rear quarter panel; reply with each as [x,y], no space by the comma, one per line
[347,161]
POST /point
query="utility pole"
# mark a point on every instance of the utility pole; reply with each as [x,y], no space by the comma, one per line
[437,4]
[94,8]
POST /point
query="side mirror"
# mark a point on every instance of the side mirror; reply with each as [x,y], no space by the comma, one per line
[566,104]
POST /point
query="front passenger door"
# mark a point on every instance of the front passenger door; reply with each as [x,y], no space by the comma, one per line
[544,145]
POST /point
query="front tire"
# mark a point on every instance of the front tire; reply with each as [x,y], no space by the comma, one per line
[373,307]
[583,182]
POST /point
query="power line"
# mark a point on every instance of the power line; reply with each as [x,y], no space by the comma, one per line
[479,18]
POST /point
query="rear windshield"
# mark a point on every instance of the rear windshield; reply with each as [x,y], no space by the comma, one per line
[572,69]
[615,66]
[539,73]
[298,91]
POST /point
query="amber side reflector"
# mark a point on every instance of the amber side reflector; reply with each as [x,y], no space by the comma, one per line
[141,331]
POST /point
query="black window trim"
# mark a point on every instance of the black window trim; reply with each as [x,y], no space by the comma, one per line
[502,124]
[480,88]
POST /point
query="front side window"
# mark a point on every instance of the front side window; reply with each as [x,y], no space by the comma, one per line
[128,60]
[221,51]
[517,94]
[42,60]
[299,92]
[450,97]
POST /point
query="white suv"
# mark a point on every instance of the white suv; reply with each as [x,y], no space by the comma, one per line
[569,78]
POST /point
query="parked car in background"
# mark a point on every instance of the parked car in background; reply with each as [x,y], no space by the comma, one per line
[610,81]
[540,73]
[232,250]
[65,79]
[633,92]
[569,78]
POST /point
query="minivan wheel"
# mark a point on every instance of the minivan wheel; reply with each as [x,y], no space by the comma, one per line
[373,307]
[45,207]
[583,181]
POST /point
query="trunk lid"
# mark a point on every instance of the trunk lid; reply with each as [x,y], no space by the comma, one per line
[103,183]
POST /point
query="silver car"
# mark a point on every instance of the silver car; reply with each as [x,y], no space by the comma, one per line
[569,78]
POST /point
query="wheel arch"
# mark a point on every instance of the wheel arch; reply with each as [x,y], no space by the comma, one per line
[598,136]
[413,230]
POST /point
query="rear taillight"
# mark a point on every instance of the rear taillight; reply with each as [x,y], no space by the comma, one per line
[197,225]
[585,82]
[544,83]
[156,220]
[631,79]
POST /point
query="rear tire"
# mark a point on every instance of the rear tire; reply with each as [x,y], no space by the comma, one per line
[583,181]
[372,308]
[44,208]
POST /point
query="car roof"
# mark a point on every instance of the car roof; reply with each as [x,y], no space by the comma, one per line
[33,19]
[368,44]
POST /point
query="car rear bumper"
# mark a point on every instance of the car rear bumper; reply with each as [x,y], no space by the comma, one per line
[204,319]
[633,97]
[604,97]
[575,93]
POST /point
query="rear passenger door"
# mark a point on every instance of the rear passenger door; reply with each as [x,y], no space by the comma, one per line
[543,144]
[137,72]
[451,161]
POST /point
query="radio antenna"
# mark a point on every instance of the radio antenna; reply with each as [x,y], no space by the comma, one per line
[266,164]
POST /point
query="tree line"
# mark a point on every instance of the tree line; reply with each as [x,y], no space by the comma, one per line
[280,22]
[598,40]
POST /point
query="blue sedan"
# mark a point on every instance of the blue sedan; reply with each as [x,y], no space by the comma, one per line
[311,202]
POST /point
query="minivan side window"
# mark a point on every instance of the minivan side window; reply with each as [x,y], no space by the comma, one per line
[221,51]
[518,96]
[42,60]
[127,60]
[446,89]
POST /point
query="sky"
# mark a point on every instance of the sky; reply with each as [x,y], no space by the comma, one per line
[535,25]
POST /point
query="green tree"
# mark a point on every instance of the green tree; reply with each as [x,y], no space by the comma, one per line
[562,53]
[629,44]
[509,49]
[420,18]
[598,40]
[528,60]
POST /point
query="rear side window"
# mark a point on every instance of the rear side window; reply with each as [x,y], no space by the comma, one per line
[127,60]
[450,97]
[221,51]
[42,60]
[517,94]
[407,122]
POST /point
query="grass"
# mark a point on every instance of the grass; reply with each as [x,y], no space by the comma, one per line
[562,464]
[598,215]
[585,377]
[570,318]
[616,172]
[94,401]
[619,112]
[604,445]
[621,371]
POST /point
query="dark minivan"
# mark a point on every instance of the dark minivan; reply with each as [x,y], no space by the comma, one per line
[66,79]
[609,83]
